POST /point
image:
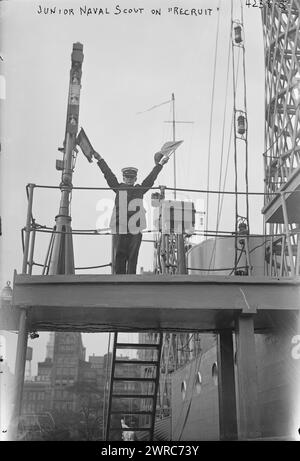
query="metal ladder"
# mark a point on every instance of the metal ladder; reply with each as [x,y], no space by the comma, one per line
[134,386]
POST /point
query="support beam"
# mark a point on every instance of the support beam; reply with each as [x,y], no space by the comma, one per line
[248,410]
[158,302]
[19,374]
[226,386]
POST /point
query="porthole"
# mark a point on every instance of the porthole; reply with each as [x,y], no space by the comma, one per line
[214,373]
[183,390]
[198,382]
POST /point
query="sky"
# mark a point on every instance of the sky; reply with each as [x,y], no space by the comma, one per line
[132,62]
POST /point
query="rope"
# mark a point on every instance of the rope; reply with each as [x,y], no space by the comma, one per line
[187,343]
[226,171]
[200,191]
[211,116]
[37,264]
[271,145]
[215,270]
[94,267]
[222,148]
[223,130]
[49,230]
[205,191]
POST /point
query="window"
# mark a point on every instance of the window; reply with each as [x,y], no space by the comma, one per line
[214,373]
[129,386]
[183,390]
[198,382]
[64,348]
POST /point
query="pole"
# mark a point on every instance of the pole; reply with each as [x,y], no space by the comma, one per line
[27,230]
[226,387]
[31,251]
[287,233]
[62,258]
[174,136]
[19,374]
[248,403]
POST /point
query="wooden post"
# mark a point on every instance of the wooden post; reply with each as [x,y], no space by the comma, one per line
[19,374]
[249,426]
[226,387]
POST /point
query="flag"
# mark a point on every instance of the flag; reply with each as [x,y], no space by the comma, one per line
[84,143]
[169,147]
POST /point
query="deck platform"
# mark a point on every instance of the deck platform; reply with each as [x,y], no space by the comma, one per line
[99,303]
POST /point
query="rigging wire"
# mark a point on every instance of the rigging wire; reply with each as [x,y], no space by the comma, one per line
[222,147]
[223,129]
[211,115]
[235,143]
[246,137]
[200,191]
[235,80]
[225,175]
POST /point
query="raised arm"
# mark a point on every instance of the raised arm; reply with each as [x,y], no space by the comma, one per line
[149,180]
[108,174]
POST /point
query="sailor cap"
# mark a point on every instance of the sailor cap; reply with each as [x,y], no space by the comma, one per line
[129,172]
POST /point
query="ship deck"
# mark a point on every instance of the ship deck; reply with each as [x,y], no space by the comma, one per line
[99,303]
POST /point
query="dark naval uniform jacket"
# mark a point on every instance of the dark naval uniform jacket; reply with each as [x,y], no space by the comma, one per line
[120,217]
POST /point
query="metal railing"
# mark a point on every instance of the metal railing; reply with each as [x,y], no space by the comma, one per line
[288,240]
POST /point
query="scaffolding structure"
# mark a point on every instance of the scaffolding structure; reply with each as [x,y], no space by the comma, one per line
[282,132]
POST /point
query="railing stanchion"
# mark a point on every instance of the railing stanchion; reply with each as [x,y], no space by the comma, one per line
[27,229]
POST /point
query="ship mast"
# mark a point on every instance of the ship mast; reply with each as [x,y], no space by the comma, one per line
[174,139]
[62,254]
